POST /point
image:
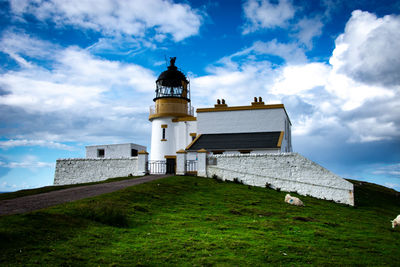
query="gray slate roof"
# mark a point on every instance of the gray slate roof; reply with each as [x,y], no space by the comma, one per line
[236,141]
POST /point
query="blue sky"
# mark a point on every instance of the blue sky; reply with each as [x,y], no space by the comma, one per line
[76,73]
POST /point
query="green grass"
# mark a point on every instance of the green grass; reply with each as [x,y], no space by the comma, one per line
[45,189]
[196,221]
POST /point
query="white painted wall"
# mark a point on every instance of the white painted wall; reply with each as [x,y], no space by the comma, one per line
[183,129]
[76,171]
[191,156]
[113,151]
[181,164]
[241,121]
[177,135]
[290,172]
[246,121]
[161,148]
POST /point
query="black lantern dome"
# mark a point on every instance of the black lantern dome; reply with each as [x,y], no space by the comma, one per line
[172,83]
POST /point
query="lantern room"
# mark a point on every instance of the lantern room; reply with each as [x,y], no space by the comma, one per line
[172,94]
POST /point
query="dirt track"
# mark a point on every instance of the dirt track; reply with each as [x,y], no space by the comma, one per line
[40,201]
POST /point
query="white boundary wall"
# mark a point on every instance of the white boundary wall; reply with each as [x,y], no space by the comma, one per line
[289,172]
[76,171]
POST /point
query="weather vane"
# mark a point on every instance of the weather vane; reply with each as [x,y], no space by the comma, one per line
[172,61]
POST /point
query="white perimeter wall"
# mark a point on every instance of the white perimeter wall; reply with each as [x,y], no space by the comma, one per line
[245,121]
[290,172]
[74,171]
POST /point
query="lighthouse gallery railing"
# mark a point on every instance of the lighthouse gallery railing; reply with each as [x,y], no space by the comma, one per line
[189,111]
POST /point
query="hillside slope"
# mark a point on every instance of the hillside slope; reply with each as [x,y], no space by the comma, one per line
[199,221]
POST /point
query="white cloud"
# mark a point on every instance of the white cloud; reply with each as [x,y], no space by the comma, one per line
[115,17]
[122,45]
[392,170]
[261,14]
[338,100]
[372,129]
[6,186]
[237,83]
[366,110]
[323,99]
[77,80]
[19,43]
[368,50]
[29,162]
[76,96]
[24,142]
[295,80]
[290,52]
[307,30]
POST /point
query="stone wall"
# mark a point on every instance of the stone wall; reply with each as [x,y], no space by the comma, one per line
[74,171]
[289,172]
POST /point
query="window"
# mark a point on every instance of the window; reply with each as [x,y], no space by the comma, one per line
[100,153]
[133,152]
[163,126]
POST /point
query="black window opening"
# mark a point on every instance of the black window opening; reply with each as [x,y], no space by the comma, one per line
[163,133]
[100,153]
[133,152]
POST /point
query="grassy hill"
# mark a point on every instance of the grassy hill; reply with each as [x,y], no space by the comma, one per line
[198,221]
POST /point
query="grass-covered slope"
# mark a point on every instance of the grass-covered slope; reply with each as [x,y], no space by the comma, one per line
[198,221]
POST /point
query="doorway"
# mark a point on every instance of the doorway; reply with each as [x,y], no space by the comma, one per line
[171,162]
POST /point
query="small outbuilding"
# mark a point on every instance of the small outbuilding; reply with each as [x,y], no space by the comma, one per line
[114,151]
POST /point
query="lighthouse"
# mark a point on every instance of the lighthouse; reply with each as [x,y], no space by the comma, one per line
[251,142]
[173,123]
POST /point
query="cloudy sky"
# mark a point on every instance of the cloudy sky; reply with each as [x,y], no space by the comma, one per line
[82,72]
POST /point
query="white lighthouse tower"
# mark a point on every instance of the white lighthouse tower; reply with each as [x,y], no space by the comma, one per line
[173,123]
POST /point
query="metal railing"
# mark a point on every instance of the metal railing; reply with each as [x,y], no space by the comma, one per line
[189,111]
[157,166]
[191,165]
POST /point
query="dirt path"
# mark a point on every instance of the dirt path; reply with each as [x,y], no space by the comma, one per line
[44,200]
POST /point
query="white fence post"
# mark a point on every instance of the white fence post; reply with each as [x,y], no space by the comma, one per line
[142,162]
[181,162]
[202,162]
